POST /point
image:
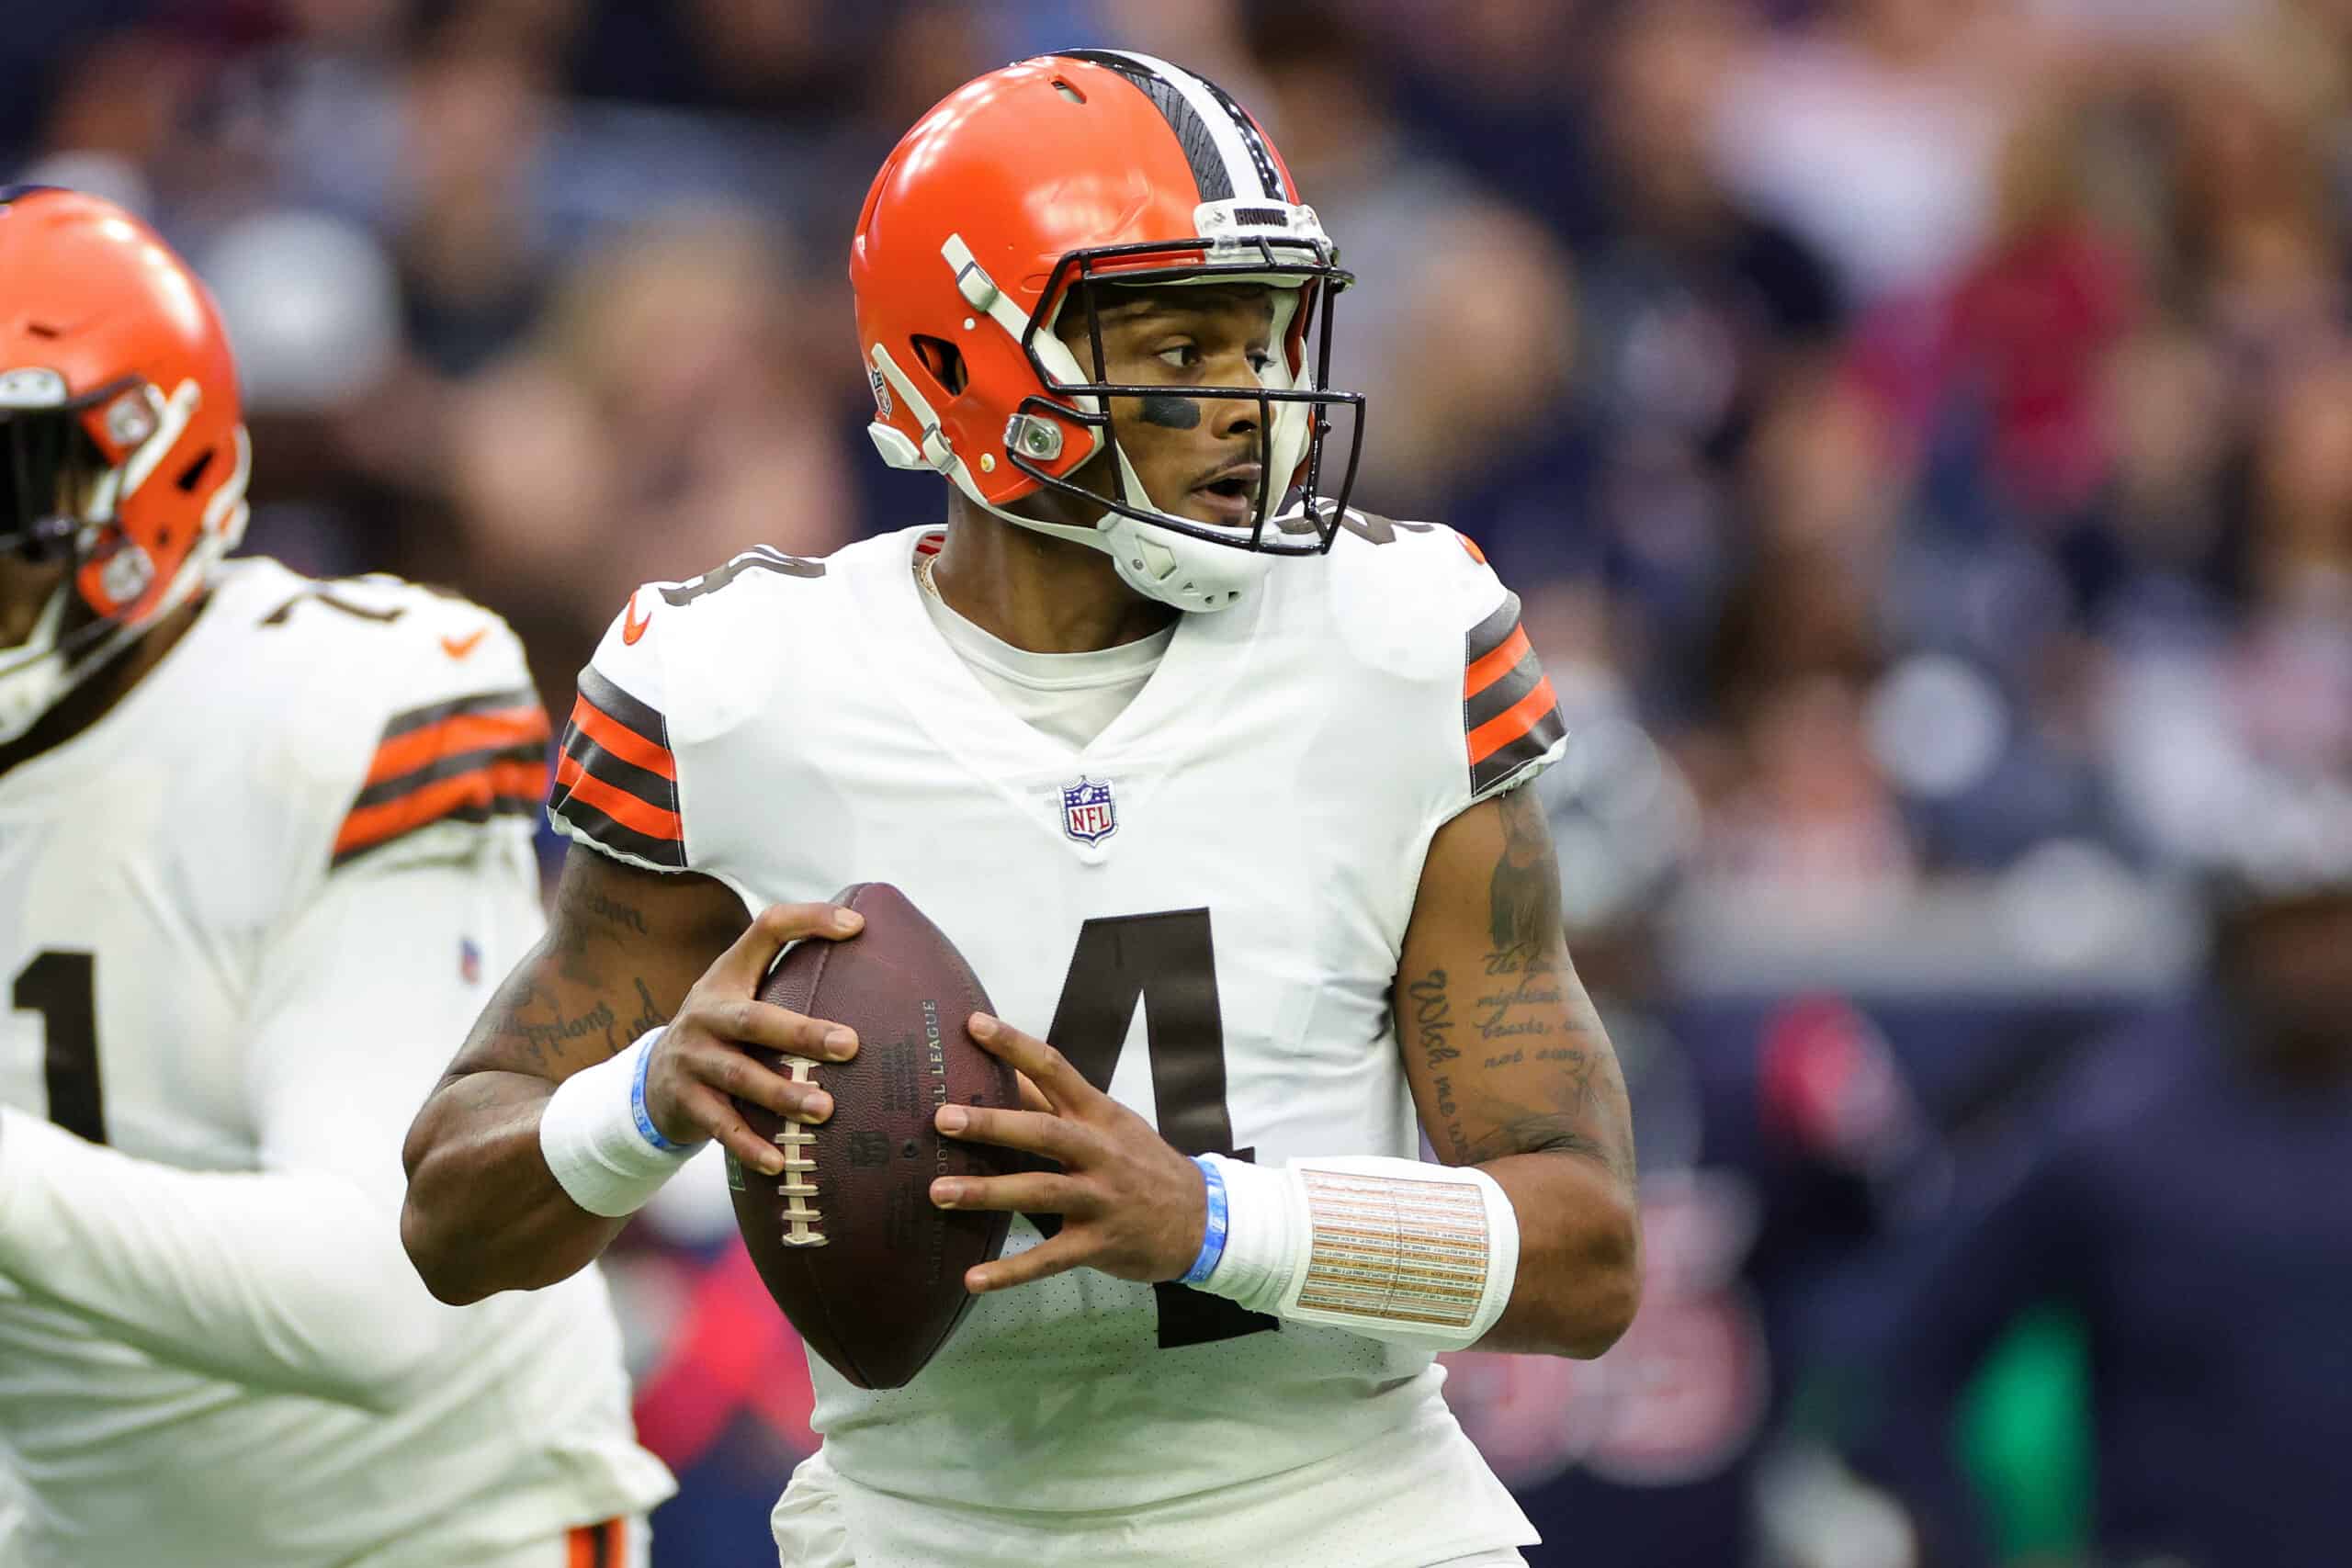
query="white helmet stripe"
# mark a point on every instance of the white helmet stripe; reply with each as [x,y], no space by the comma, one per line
[1235,138]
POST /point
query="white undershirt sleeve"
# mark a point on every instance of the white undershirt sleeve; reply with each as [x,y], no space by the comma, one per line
[289,1278]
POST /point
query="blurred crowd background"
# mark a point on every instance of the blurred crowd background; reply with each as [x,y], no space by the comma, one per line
[1921,433]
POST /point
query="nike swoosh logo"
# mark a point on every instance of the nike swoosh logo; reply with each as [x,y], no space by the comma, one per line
[631,627]
[458,647]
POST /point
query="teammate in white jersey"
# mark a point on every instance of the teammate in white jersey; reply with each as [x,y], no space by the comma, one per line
[1239,835]
[265,842]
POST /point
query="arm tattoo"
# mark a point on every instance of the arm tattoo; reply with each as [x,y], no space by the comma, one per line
[1558,1112]
[543,1030]
[535,1019]
[1529,952]
[1523,900]
[1433,1027]
[1533,1136]
[1539,1076]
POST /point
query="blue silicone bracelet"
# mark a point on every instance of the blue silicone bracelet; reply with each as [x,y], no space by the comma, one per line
[645,1127]
[1212,1233]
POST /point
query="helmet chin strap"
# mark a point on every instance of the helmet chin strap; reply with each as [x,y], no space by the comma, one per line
[1193,575]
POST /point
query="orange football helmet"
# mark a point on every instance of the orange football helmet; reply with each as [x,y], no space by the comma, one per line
[1087,167]
[119,429]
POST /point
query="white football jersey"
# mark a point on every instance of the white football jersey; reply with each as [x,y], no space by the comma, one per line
[1203,908]
[208,915]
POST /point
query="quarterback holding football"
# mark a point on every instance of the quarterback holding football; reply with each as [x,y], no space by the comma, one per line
[1216,784]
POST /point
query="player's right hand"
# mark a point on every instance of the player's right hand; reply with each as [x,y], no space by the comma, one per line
[703,1062]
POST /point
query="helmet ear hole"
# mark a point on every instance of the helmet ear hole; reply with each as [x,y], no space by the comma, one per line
[193,475]
[943,360]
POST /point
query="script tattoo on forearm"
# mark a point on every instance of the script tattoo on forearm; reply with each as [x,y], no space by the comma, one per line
[1434,1028]
[536,1020]
[1544,1081]
[650,1013]
[586,916]
[549,1035]
[1529,951]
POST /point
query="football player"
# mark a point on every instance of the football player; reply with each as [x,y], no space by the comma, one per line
[263,843]
[1242,835]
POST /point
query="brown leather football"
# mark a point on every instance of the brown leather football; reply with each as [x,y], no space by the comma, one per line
[867,1267]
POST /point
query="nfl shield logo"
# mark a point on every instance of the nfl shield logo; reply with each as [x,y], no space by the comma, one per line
[1088,814]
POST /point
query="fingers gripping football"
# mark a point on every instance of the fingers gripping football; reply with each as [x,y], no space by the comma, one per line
[701,1063]
[1131,1205]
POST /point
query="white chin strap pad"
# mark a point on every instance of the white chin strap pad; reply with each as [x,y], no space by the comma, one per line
[1191,574]
[1173,567]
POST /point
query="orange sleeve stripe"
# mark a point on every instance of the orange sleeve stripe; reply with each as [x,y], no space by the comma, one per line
[1512,722]
[1496,664]
[622,741]
[455,735]
[429,803]
[596,1546]
[617,804]
[1470,545]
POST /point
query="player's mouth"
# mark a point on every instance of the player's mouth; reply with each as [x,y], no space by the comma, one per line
[1229,495]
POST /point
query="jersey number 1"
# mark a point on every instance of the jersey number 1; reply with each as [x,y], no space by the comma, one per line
[1166,962]
[62,987]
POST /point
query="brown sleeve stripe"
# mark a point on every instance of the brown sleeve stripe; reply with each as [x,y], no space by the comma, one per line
[530,753]
[498,789]
[475,731]
[1509,712]
[616,781]
[630,714]
[596,730]
[615,819]
[1514,721]
[474,703]
[1503,689]
[1507,756]
[572,778]
[1489,635]
[468,759]
[1497,668]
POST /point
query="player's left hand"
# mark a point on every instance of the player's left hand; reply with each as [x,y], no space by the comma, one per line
[1131,1205]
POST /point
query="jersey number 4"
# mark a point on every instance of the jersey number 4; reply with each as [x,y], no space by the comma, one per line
[62,987]
[1166,962]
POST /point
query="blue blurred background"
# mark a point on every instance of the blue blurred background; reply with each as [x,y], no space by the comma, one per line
[1921,433]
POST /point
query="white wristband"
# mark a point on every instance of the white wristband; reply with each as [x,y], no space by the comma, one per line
[590,1136]
[1395,1249]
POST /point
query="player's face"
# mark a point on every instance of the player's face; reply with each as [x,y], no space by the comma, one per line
[46,475]
[49,477]
[1198,458]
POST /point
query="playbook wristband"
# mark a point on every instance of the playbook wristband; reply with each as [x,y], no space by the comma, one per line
[1395,1249]
[599,1140]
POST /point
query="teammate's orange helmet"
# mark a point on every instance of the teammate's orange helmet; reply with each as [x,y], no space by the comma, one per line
[1084,167]
[120,428]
